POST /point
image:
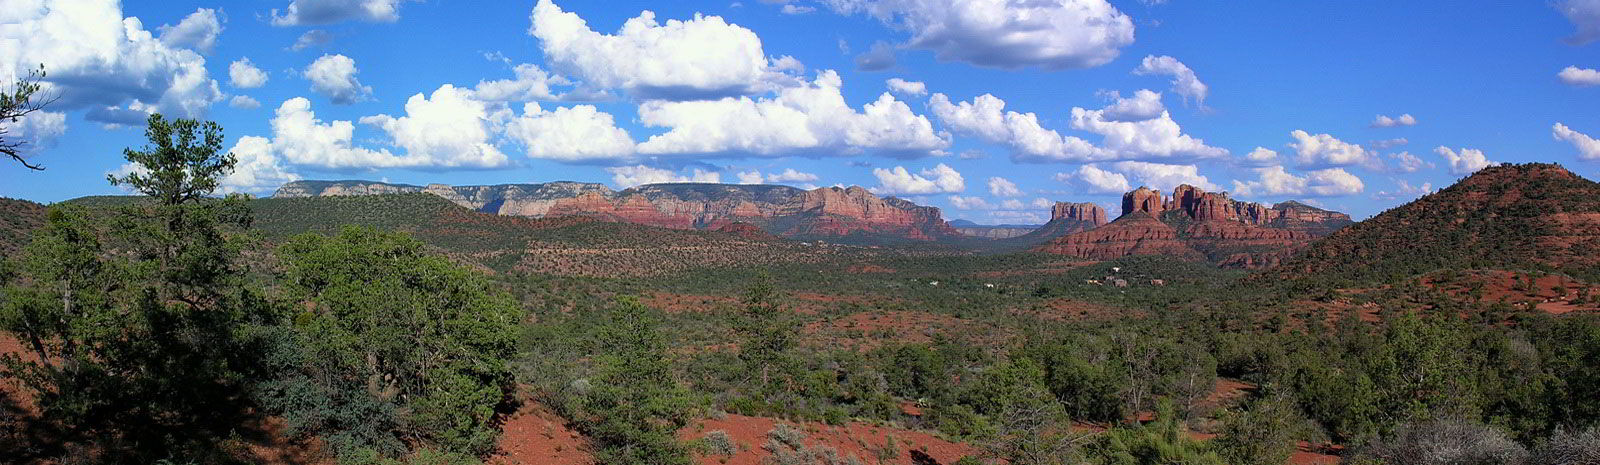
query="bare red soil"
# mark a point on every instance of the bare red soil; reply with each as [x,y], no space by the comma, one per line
[864,441]
[535,436]
[1555,294]
[1064,309]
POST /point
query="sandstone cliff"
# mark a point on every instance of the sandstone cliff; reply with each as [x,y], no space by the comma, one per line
[1067,218]
[782,210]
[1195,224]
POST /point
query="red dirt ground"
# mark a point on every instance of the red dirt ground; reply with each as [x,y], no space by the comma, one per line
[861,440]
[1498,285]
[1064,309]
[535,436]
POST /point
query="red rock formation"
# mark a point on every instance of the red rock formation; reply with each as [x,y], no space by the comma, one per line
[1132,234]
[1078,212]
[1142,200]
[788,211]
[1196,224]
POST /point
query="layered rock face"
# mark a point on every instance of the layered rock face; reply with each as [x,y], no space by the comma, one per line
[338,188]
[829,211]
[1195,224]
[1067,218]
[1084,212]
[994,232]
[1136,233]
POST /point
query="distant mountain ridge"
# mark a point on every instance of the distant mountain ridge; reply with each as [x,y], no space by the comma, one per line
[786,211]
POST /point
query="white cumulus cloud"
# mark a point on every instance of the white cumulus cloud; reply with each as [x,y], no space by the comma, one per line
[35,131]
[1276,181]
[1144,105]
[1323,150]
[1466,161]
[318,12]
[531,84]
[258,170]
[1405,162]
[1155,138]
[1383,121]
[809,119]
[198,31]
[1261,156]
[940,179]
[576,133]
[449,128]
[1163,176]
[1092,179]
[1008,34]
[244,102]
[1582,77]
[907,88]
[970,203]
[1002,187]
[99,60]
[243,74]
[630,176]
[1588,147]
[1184,81]
[788,176]
[683,59]
[334,76]
[301,139]
[985,117]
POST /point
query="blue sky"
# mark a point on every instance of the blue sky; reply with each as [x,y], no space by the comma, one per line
[1000,108]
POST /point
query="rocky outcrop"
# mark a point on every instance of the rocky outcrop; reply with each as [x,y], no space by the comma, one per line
[1143,200]
[1066,218]
[1195,224]
[1078,212]
[1136,233]
[338,188]
[994,232]
[782,210]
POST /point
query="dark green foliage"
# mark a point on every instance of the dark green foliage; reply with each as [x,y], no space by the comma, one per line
[632,407]
[1162,441]
[769,332]
[146,330]
[391,346]
[1265,433]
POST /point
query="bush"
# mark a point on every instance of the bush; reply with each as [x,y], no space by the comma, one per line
[719,443]
[1568,448]
[1445,442]
[392,345]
